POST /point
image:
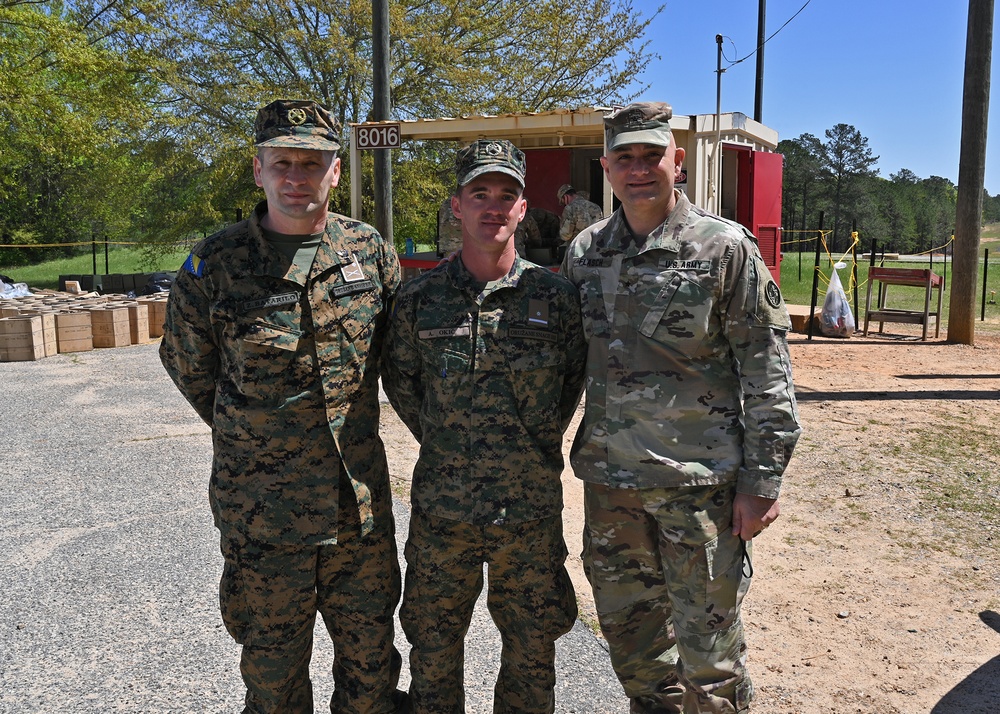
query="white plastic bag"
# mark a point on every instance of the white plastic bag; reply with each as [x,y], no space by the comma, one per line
[836,320]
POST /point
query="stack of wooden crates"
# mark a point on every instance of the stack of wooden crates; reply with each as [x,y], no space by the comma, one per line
[51,322]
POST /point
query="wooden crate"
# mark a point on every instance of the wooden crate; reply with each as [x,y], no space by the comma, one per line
[73,331]
[110,326]
[21,338]
[157,314]
[138,322]
[48,329]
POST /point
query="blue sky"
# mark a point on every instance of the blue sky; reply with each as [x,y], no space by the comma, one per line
[892,69]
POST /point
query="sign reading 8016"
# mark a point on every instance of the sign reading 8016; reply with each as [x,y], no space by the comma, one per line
[377,136]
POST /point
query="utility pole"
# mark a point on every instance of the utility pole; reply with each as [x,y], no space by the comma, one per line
[971,172]
[380,112]
[758,102]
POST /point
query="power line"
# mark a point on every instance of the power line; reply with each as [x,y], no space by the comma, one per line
[768,39]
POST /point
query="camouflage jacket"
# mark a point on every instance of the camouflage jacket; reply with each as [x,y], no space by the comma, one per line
[283,366]
[689,377]
[577,216]
[487,379]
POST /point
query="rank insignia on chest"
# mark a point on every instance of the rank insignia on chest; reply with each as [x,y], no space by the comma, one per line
[351,272]
[538,312]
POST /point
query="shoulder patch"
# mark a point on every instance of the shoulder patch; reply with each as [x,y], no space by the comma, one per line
[772,294]
[194,265]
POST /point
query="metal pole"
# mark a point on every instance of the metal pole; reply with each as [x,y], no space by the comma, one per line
[815,287]
[93,249]
[380,112]
[854,268]
[758,104]
[715,175]
[106,270]
[986,272]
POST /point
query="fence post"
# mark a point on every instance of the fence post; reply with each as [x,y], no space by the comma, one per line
[815,287]
[986,272]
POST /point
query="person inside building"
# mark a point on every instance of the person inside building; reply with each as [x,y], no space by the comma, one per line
[273,333]
[690,420]
[578,212]
[484,363]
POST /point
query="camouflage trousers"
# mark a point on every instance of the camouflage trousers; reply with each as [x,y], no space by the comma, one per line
[668,580]
[530,598]
[270,595]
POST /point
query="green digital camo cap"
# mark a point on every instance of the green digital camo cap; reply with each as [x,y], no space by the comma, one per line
[489,156]
[296,124]
[638,123]
[564,189]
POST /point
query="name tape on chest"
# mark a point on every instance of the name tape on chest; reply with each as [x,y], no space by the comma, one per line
[697,266]
[439,332]
[532,333]
[271,301]
[339,291]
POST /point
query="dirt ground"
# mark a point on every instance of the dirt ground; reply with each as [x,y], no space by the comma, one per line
[874,591]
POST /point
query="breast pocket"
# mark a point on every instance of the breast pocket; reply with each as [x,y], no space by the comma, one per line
[537,380]
[446,385]
[264,353]
[679,316]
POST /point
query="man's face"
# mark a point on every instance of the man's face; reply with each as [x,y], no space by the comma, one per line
[643,175]
[490,207]
[297,182]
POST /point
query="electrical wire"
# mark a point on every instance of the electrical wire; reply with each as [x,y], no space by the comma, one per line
[768,39]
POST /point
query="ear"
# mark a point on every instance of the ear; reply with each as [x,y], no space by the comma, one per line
[678,161]
[256,172]
[604,165]
[336,172]
[456,207]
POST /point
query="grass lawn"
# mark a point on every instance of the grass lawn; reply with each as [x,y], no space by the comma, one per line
[120,260]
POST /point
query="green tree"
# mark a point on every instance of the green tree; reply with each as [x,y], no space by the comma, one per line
[802,172]
[846,158]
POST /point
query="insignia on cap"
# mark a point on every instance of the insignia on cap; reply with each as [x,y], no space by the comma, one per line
[296,116]
[636,116]
[494,149]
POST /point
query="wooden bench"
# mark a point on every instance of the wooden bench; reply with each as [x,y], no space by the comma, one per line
[914,277]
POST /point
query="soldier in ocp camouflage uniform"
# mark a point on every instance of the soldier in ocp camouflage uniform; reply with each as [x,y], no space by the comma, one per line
[273,334]
[689,423]
[578,214]
[484,364]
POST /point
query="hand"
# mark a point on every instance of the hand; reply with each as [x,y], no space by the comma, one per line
[450,257]
[752,514]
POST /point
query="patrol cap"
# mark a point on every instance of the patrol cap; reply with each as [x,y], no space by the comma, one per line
[489,156]
[638,123]
[563,190]
[296,124]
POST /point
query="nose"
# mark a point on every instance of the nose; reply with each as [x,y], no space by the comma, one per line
[295,174]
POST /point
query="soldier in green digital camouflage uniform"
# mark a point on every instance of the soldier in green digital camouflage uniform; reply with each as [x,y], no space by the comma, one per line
[484,364]
[578,213]
[273,334]
[690,421]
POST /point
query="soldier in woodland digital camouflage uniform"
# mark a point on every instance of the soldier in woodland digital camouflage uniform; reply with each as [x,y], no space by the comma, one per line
[273,334]
[484,364]
[578,214]
[689,423]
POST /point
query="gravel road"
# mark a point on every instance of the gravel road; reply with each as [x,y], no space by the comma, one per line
[109,560]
